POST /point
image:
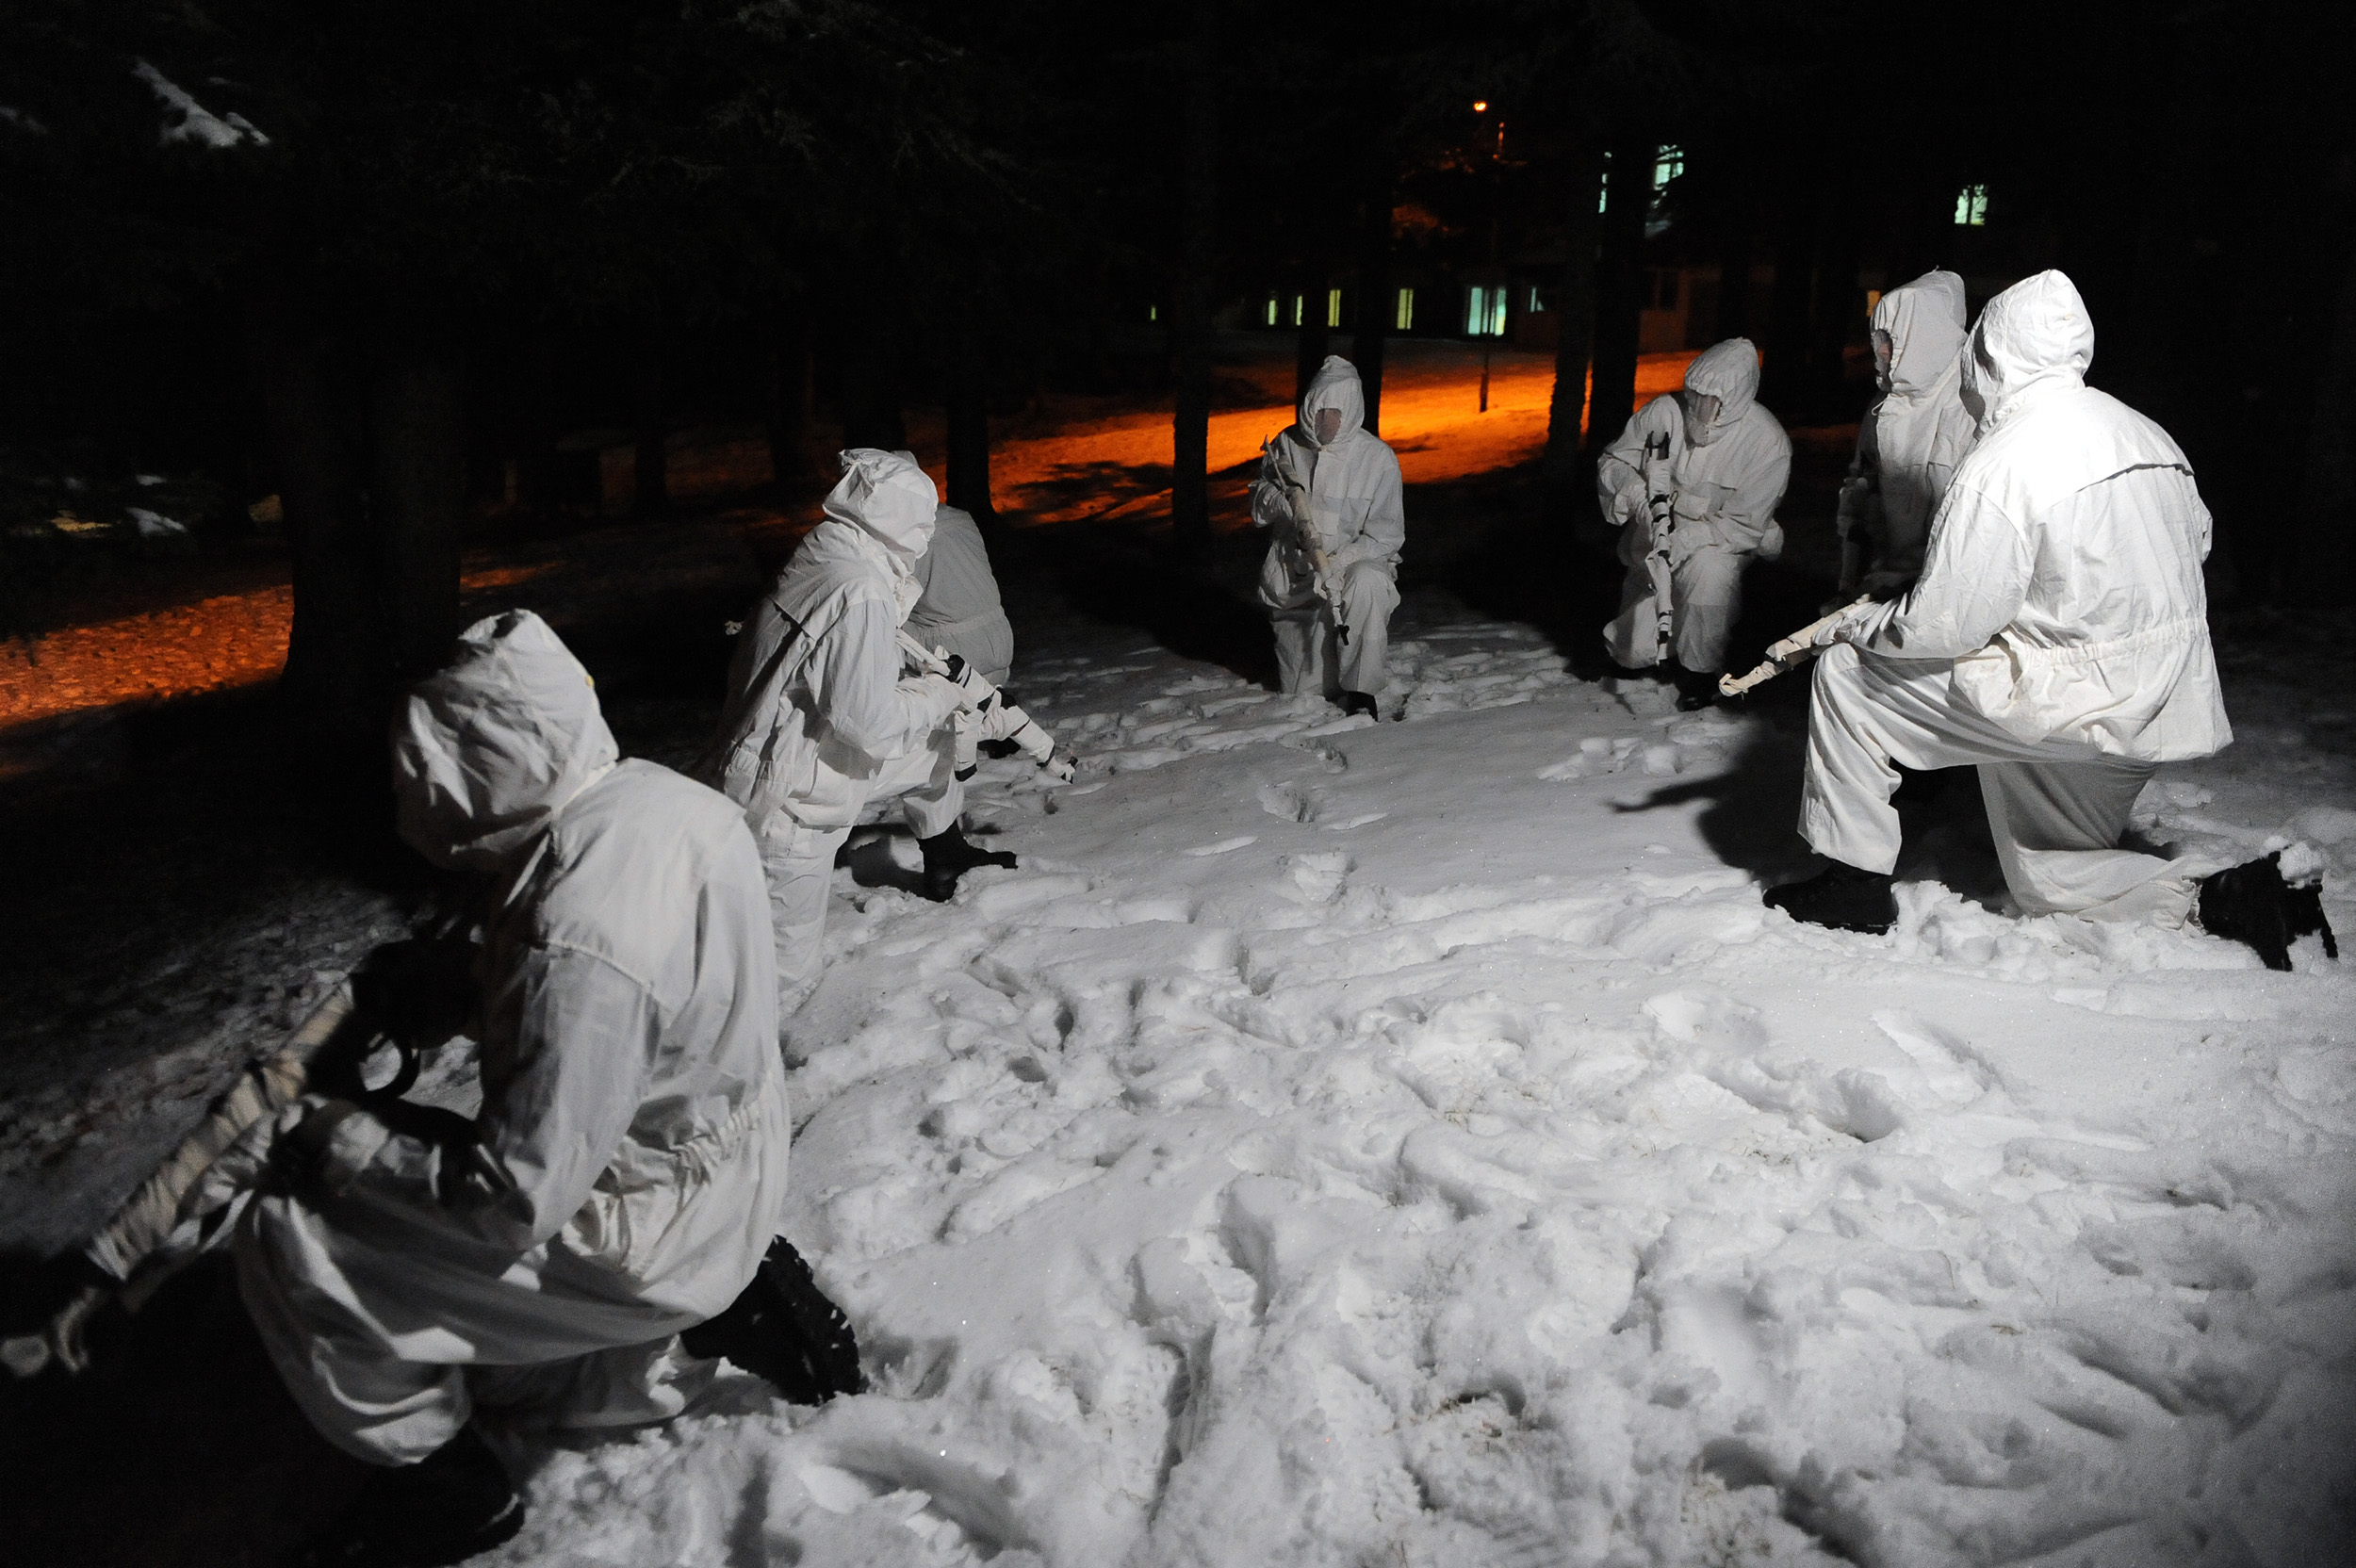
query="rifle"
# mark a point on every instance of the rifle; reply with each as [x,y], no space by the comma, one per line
[1659,499]
[187,1204]
[992,716]
[1788,653]
[1305,532]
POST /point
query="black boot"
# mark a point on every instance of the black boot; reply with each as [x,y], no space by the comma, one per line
[1354,703]
[452,1505]
[1697,689]
[948,856]
[1841,897]
[2251,904]
[781,1327]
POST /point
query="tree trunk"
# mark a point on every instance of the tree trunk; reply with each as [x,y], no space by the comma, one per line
[1310,339]
[332,671]
[418,504]
[1376,300]
[1191,312]
[1620,292]
[650,478]
[871,386]
[1734,277]
[1836,309]
[969,419]
[1783,386]
[789,401]
[2324,540]
[1574,339]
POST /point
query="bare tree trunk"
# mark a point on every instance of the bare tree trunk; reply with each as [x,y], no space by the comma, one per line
[1837,308]
[968,418]
[332,671]
[1190,313]
[1734,276]
[1620,292]
[1310,338]
[1783,386]
[2324,540]
[1575,333]
[789,401]
[1375,299]
[650,480]
[417,502]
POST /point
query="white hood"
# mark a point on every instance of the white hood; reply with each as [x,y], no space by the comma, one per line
[488,751]
[887,495]
[1728,372]
[1335,385]
[1925,322]
[2033,336]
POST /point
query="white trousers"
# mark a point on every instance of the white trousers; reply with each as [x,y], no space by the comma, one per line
[2056,809]
[1310,656]
[389,1325]
[798,852]
[1706,594]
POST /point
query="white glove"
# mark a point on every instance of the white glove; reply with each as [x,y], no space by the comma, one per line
[940,695]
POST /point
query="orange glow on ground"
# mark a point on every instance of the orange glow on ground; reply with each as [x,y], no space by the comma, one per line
[1076,460]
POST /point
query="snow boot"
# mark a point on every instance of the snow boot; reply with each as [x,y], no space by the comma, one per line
[782,1328]
[1841,898]
[1355,703]
[948,856]
[1697,689]
[2251,904]
[452,1505]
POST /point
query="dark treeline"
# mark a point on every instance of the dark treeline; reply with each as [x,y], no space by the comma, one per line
[377,259]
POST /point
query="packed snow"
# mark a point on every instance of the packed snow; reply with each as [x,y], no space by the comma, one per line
[1412,1142]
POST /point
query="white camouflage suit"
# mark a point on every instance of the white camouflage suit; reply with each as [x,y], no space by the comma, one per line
[1724,489]
[1356,507]
[1909,441]
[957,608]
[820,719]
[2058,636]
[627,1170]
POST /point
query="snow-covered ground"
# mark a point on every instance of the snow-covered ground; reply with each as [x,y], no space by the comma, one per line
[1413,1143]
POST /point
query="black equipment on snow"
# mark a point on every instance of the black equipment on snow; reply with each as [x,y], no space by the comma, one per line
[2252,905]
[1841,898]
[782,1328]
[948,856]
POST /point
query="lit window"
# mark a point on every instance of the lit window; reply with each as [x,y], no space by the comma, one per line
[1971,205]
[1406,309]
[1603,189]
[1152,312]
[1535,303]
[1484,312]
[1667,164]
[1296,310]
[1332,307]
[1271,310]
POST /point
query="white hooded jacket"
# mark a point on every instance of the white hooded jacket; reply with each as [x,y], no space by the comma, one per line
[1910,441]
[1355,501]
[959,607]
[816,698]
[2063,575]
[635,1121]
[1728,486]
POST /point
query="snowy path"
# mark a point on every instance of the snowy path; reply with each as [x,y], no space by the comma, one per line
[1414,1144]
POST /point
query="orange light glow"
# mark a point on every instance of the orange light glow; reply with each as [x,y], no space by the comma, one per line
[1480,105]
